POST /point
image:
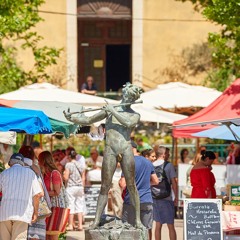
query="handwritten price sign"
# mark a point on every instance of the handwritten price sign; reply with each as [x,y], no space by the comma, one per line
[202,219]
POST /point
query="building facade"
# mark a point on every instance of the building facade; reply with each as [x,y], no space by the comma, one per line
[117,41]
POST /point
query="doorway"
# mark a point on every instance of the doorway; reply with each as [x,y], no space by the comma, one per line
[117,66]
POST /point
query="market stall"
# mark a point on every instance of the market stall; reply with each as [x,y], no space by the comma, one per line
[223,110]
[228,191]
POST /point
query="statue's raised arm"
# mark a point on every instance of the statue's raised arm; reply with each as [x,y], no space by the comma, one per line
[81,119]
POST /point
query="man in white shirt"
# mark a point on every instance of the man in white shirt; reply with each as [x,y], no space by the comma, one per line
[19,205]
[94,166]
[95,160]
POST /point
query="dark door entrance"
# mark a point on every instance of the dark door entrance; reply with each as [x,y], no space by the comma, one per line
[117,66]
[104,51]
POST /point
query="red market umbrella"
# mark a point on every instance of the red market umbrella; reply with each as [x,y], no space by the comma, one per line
[226,108]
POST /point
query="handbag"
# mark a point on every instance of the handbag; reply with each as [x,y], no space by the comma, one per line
[45,205]
[62,199]
[56,223]
[43,210]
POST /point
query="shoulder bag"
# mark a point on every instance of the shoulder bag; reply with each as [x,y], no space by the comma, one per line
[45,205]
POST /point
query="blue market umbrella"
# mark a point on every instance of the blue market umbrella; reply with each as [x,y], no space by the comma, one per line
[225,132]
[54,111]
[24,120]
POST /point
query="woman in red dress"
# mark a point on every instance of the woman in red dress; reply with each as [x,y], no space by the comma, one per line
[52,179]
[202,178]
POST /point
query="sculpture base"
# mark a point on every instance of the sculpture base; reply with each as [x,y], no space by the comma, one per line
[112,228]
[116,234]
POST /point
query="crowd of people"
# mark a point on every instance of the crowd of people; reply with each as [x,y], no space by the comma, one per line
[53,171]
[32,175]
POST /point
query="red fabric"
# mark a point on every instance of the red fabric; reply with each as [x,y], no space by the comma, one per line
[56,179]
[201,180]
[186,132]
[124,193]
[226,106]
[56,223]
[8,103]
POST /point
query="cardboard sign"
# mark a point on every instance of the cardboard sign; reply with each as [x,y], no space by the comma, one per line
[235,194]
[202,219]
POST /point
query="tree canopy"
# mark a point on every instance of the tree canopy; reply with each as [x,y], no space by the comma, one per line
[225,44]
[17,21]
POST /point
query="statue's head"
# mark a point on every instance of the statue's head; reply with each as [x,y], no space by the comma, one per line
[131,92]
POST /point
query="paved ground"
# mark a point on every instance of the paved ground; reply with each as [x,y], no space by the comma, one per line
[178,224]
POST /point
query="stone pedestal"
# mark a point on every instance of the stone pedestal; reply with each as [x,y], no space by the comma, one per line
[116,234]
[112,228]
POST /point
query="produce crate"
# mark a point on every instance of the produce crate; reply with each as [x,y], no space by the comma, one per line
[231,208]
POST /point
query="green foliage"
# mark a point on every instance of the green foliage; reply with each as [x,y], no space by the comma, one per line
[17,20]
[226,43]
[199,4]
[2,167]
[62,236]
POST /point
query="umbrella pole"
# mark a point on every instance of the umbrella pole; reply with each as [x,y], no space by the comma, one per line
[51,144]
[233,133]
[176,152]
[41,141]
[197,145]
[173,147]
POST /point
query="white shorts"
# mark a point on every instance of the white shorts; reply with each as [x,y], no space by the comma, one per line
[76,199]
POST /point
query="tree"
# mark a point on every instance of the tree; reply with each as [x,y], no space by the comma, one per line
[17,21]
[226,43]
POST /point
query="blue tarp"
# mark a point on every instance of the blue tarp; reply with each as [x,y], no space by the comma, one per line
[24,120]
[221,132]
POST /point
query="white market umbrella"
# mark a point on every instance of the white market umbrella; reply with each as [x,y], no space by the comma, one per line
[149,114]
[50,92]
[30,95]
[177,94]
[9,137]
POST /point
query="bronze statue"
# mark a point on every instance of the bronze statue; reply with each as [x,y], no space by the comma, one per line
[120,121]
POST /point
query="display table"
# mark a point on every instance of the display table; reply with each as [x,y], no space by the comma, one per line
[231,224]
[230,220]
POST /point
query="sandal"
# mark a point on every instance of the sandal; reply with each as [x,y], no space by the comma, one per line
[69,228]
[79,229]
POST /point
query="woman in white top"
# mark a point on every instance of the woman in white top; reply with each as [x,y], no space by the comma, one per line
[74,178]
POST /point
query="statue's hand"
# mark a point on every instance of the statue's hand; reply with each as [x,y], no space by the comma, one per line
[68,115]
[109,108]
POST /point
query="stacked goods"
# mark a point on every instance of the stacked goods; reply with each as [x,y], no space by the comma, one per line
[234,198]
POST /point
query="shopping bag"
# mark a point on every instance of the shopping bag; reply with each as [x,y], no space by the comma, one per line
[45,205]
[56,223]
[43,210]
